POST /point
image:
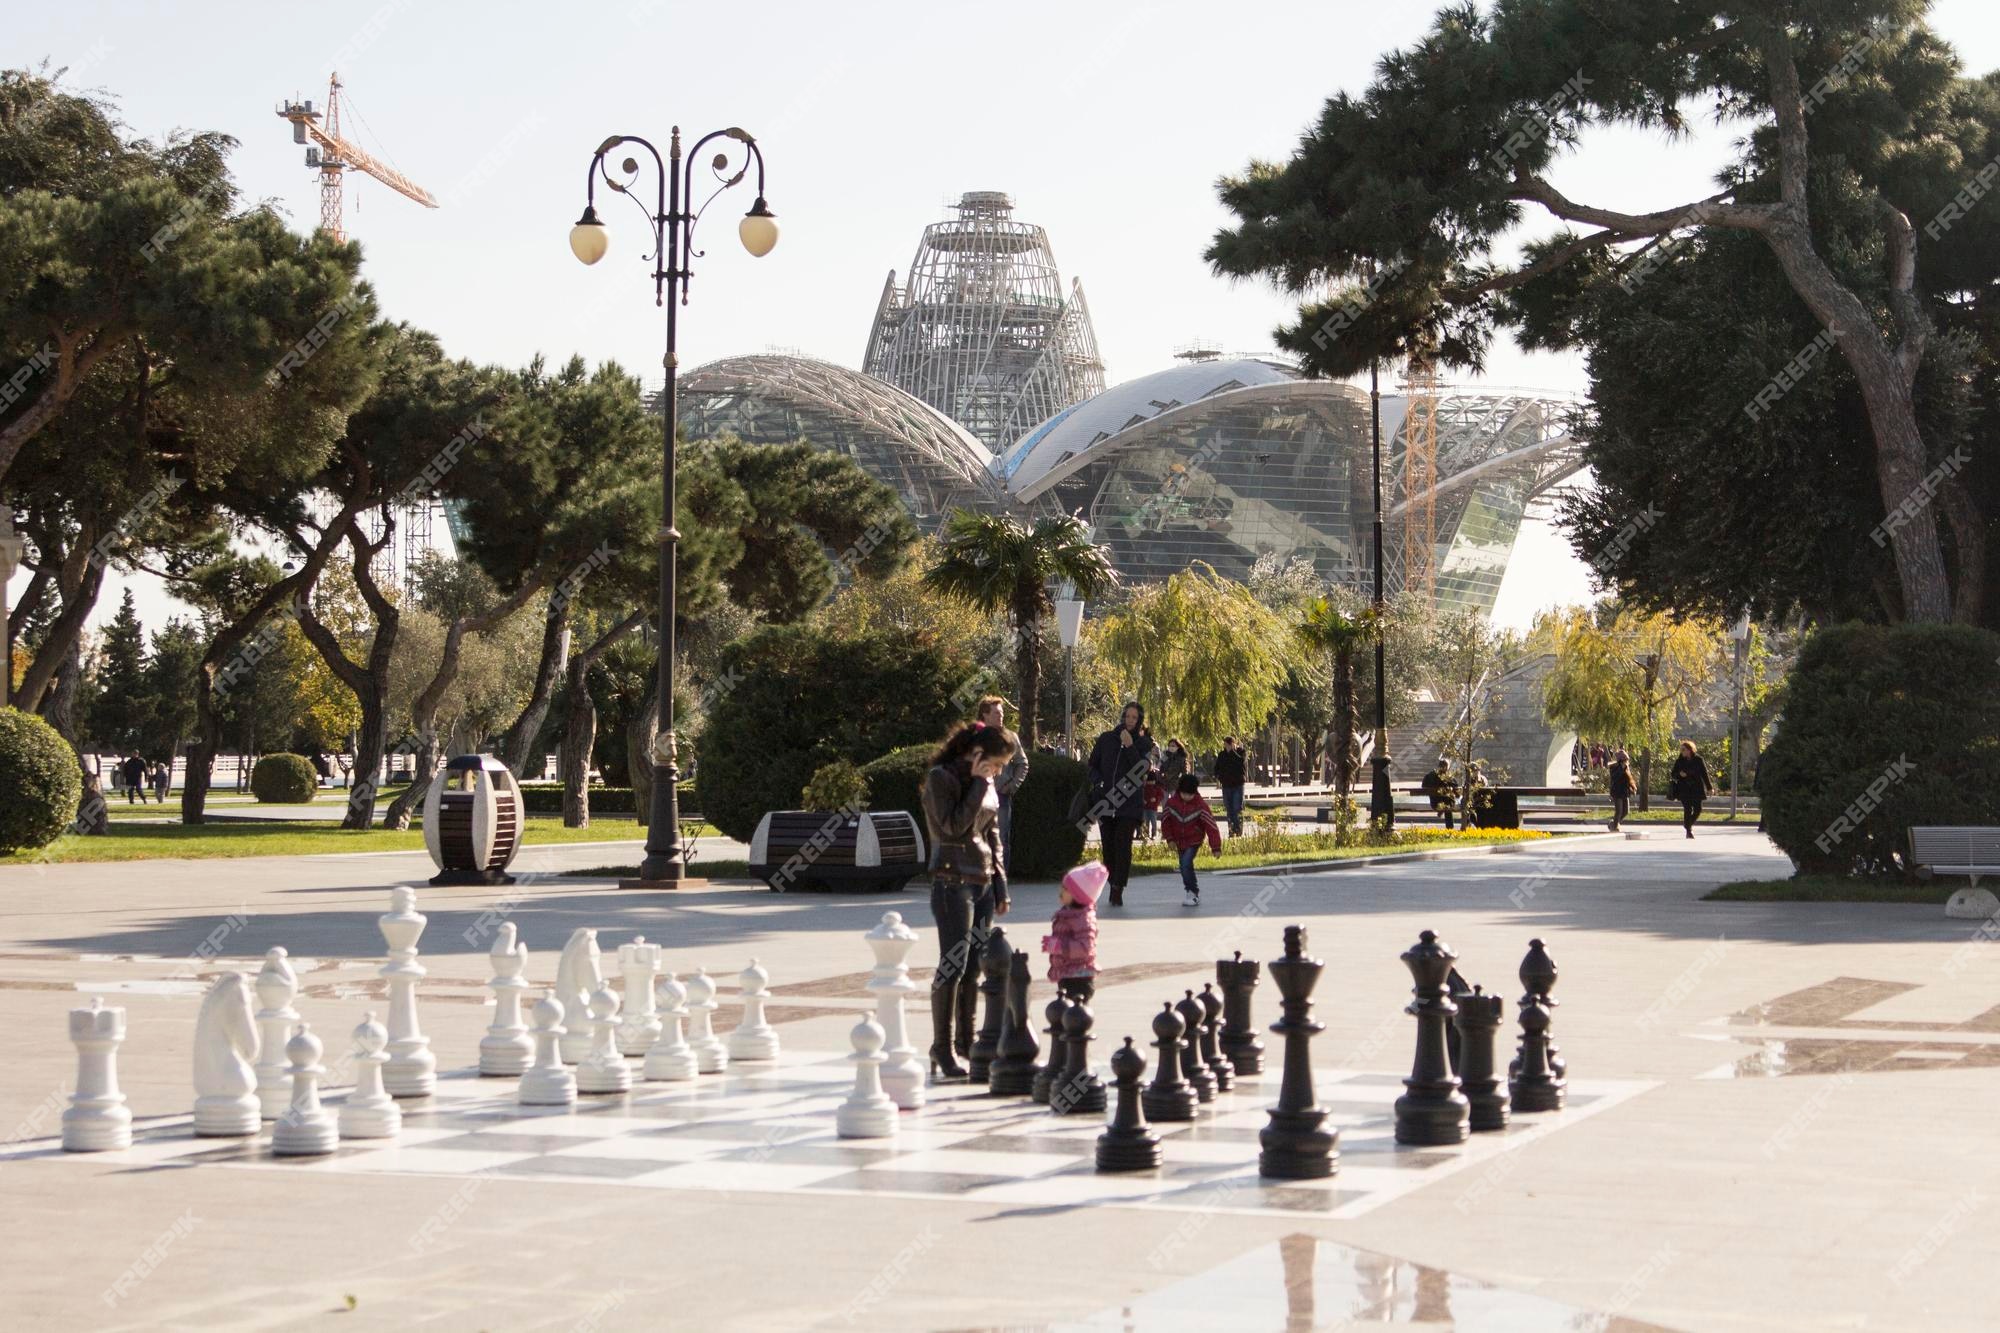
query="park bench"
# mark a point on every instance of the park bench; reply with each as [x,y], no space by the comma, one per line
[1960,850]
[1500,807]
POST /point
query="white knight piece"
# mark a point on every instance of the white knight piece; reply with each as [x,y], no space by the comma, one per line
[225,1054]
[578,975]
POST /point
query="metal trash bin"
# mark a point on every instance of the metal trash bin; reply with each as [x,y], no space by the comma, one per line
[472,821]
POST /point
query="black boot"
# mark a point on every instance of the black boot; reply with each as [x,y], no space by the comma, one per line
[968,1008]
[943,1067]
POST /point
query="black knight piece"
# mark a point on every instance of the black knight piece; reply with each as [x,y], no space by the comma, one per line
[994,959]
[1456,988]
[1433,1110]
[1051,1069]
[1192,1069]
[1296,1143]
[1078,1089]
[1478,1029]
[1211,1033]
[1129,1144]
[1240,1043]
[1013,1072]
[1168,1097]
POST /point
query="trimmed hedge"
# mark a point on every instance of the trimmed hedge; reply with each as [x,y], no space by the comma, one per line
[1045,843]
[41,782]
[1883,727]
[284,779]
[545,798]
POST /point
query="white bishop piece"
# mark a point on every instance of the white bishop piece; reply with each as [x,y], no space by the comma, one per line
[506,1049]
[639,962]
[547,1082]
[305,1129]
[97,1119]
[902,1071]
[671,1060]
[709,1052]
[604,1069]
[277,986]
[412,1069]
[754,1040]
[369,1112]
[867,1113]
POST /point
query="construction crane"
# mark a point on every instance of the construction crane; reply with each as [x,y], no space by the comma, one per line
[1420,476]
[331,155]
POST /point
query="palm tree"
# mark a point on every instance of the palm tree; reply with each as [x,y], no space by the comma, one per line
[999,563]
[1340,634]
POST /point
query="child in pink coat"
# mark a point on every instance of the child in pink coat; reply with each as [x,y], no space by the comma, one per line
[1072,942]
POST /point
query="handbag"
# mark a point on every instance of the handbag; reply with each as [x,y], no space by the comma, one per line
[1079,804]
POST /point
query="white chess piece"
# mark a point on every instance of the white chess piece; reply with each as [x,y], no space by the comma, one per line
[306,1129]
[97,1119]
[754,1040]
[709,1052]
[277,986]
[639,1028]
[671,1059]
[868,1112]
[902,1070]
[225,1052]
[577,975]
[604,1069]
[547,1082]
[506,1049]
[369,1111]
[412,1069]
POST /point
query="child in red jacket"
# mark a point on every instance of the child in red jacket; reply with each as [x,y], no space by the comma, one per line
[1072,942]
[1186,821]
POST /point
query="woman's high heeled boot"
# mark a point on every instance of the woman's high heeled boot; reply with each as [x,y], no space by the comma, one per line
[943,1066]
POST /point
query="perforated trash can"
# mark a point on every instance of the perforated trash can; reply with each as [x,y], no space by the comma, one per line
[472,821]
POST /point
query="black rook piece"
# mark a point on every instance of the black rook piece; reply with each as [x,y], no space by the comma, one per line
[1078,1089]
[994,960]
[1058,1052]
[1128,1145]
[1211,1034]
[1297,1146]
[1240,1044]
[1168,1097]
[1192,1069]
[1013,1072]
[1478,1028]
[1455,987]
[1538,978]
[1433,1110]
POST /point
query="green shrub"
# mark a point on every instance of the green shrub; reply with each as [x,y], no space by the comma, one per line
[545,798]
[1883,727]
[894,781]
[40,781]
[284,779]
[835,786]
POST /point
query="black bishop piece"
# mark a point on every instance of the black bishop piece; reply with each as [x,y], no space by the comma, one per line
[1297,1145]
[1537,1078]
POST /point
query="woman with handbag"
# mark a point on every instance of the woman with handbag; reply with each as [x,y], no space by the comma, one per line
[1119,763]
[962,815]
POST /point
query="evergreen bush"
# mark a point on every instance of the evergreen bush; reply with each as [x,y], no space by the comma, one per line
[40,782]
[284,779]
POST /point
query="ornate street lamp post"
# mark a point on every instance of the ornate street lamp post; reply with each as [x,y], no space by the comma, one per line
[672,223]
[1381,801]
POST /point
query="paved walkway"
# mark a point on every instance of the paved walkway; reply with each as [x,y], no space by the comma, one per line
[1799,1139]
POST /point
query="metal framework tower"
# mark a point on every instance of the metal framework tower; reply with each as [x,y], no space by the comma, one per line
[330,154]
[1420,478]
[982,331]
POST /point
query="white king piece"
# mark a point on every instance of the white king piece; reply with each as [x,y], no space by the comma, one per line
[412,1069]
[97,1119]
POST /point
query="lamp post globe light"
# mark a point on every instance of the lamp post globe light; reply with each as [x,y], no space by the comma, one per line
[672,223]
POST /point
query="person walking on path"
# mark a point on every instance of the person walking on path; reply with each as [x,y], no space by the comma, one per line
[1119,763]
[1173,763]
[1690,785]
[1230,770]
[1071,943]
[1187,822]
[962,814]
[1155,795]
[1618,781]
[1440,789]
[132,776]
[163,779]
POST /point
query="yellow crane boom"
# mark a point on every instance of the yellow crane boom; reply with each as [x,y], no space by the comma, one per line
[332,155]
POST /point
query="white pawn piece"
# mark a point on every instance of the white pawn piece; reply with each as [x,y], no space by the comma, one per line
[709,1052]
[547,1082]
[225,1053]
[306,1129]
[369,1111]
[577,975]
[604,1069]
[868,1112]
[671,1060]
[902,1071]
[754,1040]
[277,986]
[639,962]
[97,1119]
[506,1049]
[412,1069]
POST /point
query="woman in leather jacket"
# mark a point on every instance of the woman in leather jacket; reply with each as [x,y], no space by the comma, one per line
[962,816]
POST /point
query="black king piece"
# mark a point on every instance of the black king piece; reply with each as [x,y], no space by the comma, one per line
[1433,1110]
[1297,1145]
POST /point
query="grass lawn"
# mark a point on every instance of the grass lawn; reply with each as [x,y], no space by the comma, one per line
[1265,849]
[1833,889]
[131,841]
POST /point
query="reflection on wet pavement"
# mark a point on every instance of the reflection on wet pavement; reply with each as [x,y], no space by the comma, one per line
[1833,1006]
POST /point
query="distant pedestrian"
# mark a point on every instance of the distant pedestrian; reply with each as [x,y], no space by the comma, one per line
[1230,770]
[1173,763]
[163,779]
[1438,786]
[1619,784]
[1155,795]
[1071,943]
[1187,822]
[1690,785]
[1119,763]
[132,777]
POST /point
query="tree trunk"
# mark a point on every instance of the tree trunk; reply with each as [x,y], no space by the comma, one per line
[368,680]
[518,743]
[1028,669]
[579,736]
[1346,752]
[59,702]
[370,745]
[639,750]
[79,583]
[425,764]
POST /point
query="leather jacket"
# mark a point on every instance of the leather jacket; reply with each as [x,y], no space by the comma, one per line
[962,816]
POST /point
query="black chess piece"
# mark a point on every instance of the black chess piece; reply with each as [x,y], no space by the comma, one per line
[1013,1072]
[1456,988]
[1078,1089]
[1192,1069]
[1478,1029]
[1168,1097]
[1533,1084]
[1240,1043]
[1433,1110]
[1130,1143]
[994,960]
[1296,1143]
[1211,1031]
[1538,978]
[1051,1069]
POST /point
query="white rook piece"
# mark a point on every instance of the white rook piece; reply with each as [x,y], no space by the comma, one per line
[671,1059]
[902,1072]
[97,1119]
[753,1039]
[709,1052]
[412,1069]
[867,1113]
[547,1083]
[277,986]
[305,1129]
[639,1028]
[225,1049]
[604,1069]
[506,1049]
[369,1112]
[577,975]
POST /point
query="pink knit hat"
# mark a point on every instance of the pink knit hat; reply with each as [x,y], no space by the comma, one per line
[1086,882]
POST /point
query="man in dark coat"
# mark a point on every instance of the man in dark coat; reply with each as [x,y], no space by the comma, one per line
[1619,783]
[1119,763]
[1230,770]
[133,771]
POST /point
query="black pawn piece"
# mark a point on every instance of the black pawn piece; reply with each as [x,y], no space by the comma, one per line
[1433,1110]
[1013,1072]
[1455,987]
[1129,1144]
[1534,1085]
[1296,1143]
[1211,1033]
[1478,1028]
[1078,1089]
[1538,978]
[1240,1043]
[1168,1097]
[994,960]
[1192,1069]
[1046,1076]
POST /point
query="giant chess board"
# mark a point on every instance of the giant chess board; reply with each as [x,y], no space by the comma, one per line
[770,1128]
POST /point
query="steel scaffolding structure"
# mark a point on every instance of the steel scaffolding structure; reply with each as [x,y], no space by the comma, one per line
[982,330]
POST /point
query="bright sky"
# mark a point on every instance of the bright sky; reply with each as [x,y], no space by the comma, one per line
[1108,123]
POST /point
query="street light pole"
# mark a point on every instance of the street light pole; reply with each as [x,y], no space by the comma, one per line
[12,547]
[672,225]
[1381,802]
[1069,624]
[1739,633]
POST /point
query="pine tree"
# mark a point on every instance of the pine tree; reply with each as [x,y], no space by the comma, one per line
[118,715]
